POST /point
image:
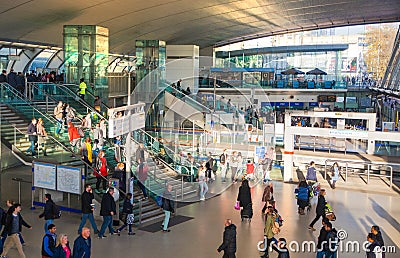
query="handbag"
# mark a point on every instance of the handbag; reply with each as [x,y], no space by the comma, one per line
[130,219]
[275,228]
[237,205]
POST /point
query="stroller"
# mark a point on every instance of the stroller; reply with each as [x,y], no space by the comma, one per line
[247,212]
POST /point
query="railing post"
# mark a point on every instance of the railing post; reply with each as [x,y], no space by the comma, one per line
[347,165]
[140,212]
[47,103]
[15,135]
[325,168]
[368,173]
[391,176]
[182,188]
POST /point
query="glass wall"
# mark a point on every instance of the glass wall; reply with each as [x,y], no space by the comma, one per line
[86,55]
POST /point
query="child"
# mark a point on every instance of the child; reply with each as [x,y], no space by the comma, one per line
[250,170]
[127,215]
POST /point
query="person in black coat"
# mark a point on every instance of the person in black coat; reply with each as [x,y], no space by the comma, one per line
[3,76]
[82,245]
[32,135]
[168,206]
[126,210]
[12,229]
[373,248]
[12,78]
[320,210]
[244,198]
[229,240]
[87,209]
[108,209]
[322,236]
[48,212]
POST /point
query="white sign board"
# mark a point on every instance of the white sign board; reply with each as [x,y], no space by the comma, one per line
[137,121]
[341,123]
[44,175]
[120,126]
[69,179]
[352,134]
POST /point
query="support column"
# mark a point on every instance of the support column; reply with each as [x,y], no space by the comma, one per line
[288,152]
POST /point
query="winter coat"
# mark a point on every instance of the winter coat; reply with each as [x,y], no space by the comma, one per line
[3,78]
[269,223]
[49,244]
[222,158]
[244,196]
[303,193]
[127,207]
[9,221]
[321,237]
[86,202]
[374,246]
[335,174]
[167,203]
[81,248]
[107,205]
[101,165]
[48,210]
[320,209]
[229,240]
[267,194]
[73,133]
[32,132]
[60,253]
[311,174]
[12,79]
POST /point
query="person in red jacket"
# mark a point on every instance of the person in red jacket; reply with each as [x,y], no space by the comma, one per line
[74,137]
[101,172]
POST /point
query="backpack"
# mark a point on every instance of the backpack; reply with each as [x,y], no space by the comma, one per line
[56,211]
[81,132]
[159,201]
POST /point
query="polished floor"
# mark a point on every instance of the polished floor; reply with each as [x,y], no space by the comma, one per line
[356,211]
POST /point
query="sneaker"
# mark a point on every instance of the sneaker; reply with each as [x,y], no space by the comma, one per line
[100,237]
[202,199]
[311,228]
[131,233]
[165,231]
[113,233]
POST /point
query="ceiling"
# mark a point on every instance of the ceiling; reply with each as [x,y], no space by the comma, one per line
[204,23]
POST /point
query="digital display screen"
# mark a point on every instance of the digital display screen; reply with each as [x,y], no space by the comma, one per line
[326,98]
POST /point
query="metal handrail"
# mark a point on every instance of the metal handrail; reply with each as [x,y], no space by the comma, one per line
[368,173]
[49,96]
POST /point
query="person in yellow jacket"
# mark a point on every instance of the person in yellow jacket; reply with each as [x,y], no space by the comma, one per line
[82,88]
[87,151]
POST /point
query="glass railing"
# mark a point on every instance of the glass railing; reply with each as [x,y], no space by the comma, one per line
[280,84]
[60,92]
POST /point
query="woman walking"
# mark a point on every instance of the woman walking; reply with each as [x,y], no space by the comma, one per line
[101,171]
[244,198]
[41,132]
[62,247]
[320,210]
[203,181]
[127,215]
[335,174]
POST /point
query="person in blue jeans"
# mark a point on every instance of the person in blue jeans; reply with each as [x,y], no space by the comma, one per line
[168,207]
[32,135]
[48,212]
[87,209]
[321,238]
[108,209]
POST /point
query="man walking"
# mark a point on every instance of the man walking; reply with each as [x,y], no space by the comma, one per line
[13,227]
[229,240]
[87,209]
[48,212]
[168,206]
[108,209]
[49,242]
[82,244]
[32,135]
[223,160]
[82,88]
[142,175]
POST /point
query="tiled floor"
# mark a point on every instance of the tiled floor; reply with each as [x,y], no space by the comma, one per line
[356,211]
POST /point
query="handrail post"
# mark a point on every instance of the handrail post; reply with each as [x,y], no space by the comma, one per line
[368,173]
[326,161]
[140,212]
[391,176]
[47,103]
[347,165]
[15,135]
[181,187]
